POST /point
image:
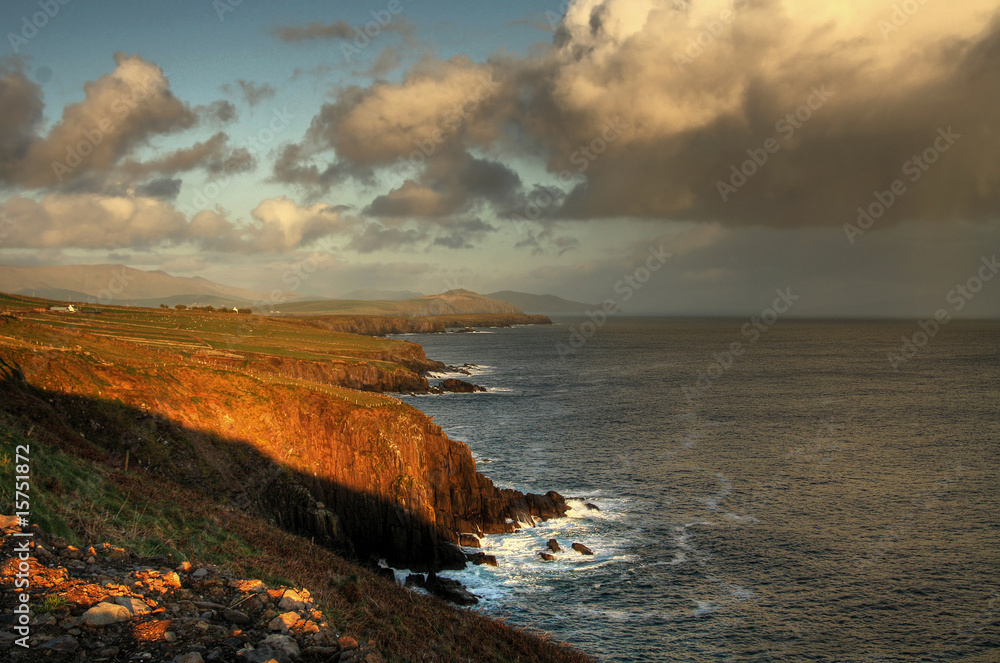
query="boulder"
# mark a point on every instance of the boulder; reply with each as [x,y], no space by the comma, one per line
[282,643]
[459,386]
[103,614]
[468,540]
[482,558]
[415,580]
[283,622]
[582,549]
[548,557]
[450,590]
[291,600]
[553,545]
[135,606]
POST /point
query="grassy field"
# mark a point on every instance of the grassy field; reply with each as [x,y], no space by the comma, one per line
[187,332]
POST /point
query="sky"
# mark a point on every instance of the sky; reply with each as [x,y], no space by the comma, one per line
[677,157]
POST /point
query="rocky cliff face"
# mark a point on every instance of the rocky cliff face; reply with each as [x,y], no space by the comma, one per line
[366,474]
[376,325]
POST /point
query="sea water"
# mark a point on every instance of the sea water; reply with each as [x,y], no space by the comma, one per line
[804,499]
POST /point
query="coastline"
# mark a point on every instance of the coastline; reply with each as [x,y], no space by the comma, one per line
[356,472]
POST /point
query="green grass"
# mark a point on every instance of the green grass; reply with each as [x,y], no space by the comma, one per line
[82,502]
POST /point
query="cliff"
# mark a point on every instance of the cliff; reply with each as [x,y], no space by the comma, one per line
[269,432]
[377,325]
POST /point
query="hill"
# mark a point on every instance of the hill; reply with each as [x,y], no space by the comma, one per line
[453,302]
[119,284]
[198,435]
[543,304]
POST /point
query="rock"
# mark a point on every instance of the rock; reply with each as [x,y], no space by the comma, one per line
[415,580]
[249,586]
[347,643]
[548,557]
[103,614]
[184,567]
[450,590]
[192,657]
[64,644]
[134,606]
[553,545]
[9,523]
[591,506]
[263,654]
[582,549]
[459,386]
[482,558]
[44,619]
[200,573]
[291,600]
[118,553]
[468,540]
[236,617]
[282,643]
[283,622]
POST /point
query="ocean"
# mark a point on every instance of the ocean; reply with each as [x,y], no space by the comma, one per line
[798,497]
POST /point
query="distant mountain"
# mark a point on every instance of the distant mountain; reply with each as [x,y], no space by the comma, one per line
[453,302]
[543,304]
[371,294]
[118,284]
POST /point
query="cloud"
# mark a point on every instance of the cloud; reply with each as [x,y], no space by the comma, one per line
[165,188]
[120,111]
[694,109]
[145,220]
[282,225]
[255,93]
[89,221]
[439,104]
[314,30]
[376,237]
[388,59]
[21,100]
[218,112]
[212,155]
[645,107]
